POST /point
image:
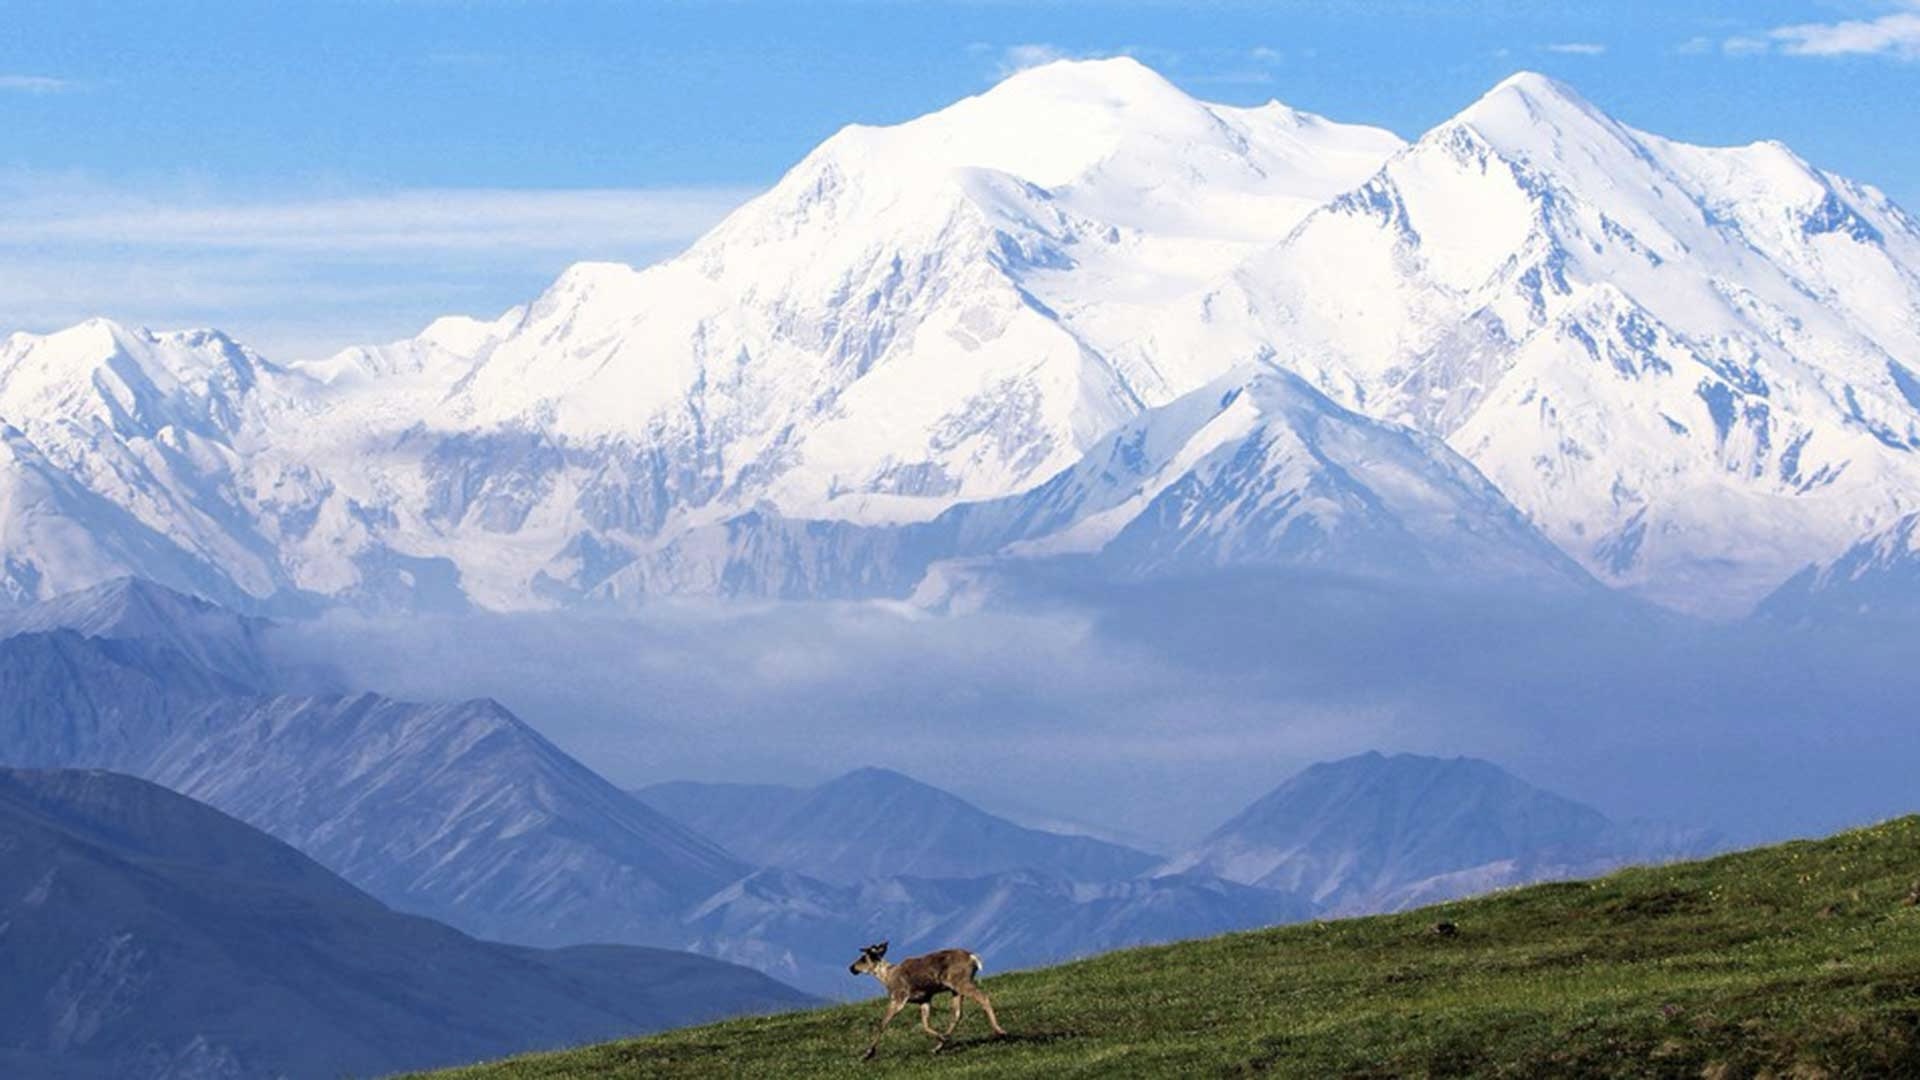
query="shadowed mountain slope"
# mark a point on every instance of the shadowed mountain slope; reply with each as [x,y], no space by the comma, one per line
[144,935]
[459,811]
[1380,832]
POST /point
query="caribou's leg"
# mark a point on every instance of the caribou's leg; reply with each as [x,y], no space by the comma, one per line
[893,1007]
[955,1022]
[986,1003]
[939,1040]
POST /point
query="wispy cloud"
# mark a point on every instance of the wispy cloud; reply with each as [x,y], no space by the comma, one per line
[1577,48]
[301,276]
[1032,54]
[1234,66]
[1895,35]
[403,221]
[35,84]
[1013,59]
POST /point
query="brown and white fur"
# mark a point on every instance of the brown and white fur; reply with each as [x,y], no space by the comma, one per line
[918,981]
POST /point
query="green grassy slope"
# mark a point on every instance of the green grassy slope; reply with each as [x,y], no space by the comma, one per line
[1798,960]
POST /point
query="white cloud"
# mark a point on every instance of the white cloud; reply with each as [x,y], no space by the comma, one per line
[424,220]
[1896,35]
[301,276]
[1577,48]
[1235,66]
[1016,58]
[1030,54]
[35,84]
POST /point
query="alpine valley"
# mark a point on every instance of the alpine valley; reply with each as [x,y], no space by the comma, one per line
[1079,315]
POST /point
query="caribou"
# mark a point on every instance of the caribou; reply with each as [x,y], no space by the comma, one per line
[918,981]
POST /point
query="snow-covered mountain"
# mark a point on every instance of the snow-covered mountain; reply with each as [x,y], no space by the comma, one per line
[1691,367]
[913,316]
[873,823]
[1877,578]
[1693,370]
[896,326]
[1256,469]
[148,936]
[1261,469]
[1381,832]
[119,455]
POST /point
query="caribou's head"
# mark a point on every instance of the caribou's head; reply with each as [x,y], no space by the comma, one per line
[870,958]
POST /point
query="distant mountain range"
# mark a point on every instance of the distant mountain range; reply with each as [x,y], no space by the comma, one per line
[218,641]
[902,859]
[1383,832]
[794,927]
[1081,314]
[457,811]
[462,813]
[874,823]
[143,935]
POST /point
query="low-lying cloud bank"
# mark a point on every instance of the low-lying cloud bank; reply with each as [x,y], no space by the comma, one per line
[1157,711]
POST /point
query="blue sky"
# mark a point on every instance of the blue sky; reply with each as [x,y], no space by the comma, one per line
[308,174]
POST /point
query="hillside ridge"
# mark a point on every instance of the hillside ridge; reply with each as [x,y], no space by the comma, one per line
[1797,959]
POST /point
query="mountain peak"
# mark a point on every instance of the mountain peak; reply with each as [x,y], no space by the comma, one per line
[1379,830]
[875,778]
[128,593]
[1535,85]
[65,360]
[1115,78]
[90,340]
[1376,759]
[1048,125]
[101,336]
[877,823]
[1527,105]
[221,641]
[1542,93]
